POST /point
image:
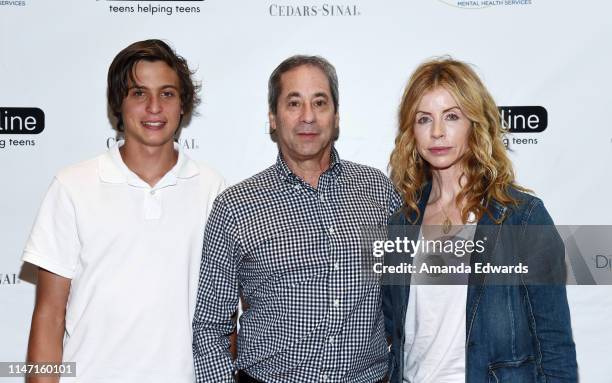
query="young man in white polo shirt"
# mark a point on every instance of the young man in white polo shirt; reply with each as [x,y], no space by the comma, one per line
[118,238]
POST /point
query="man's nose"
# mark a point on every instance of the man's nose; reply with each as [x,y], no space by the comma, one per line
[154,104]
[308,115]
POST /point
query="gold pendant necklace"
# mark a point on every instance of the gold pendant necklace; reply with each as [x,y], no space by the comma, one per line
[447,225]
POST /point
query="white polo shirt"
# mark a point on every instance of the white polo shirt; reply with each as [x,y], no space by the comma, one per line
[133,253]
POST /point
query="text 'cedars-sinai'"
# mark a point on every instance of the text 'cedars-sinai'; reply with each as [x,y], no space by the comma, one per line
[314,10]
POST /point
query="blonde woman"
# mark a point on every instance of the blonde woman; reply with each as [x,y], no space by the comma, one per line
[452,169]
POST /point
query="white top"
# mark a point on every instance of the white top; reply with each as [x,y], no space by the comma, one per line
[133,253]
[434,348]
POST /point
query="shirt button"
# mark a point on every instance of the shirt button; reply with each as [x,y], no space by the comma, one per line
[324,377]
[152,192]
[331,230]
[330,340]
[321,198]
[336,266]
[336,302]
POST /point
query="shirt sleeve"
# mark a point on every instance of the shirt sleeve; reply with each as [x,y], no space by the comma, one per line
[395,200]
[217,298]
[54,242]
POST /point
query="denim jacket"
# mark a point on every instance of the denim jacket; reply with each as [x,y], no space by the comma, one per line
[515,333]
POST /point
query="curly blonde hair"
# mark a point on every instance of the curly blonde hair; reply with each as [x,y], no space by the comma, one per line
[486,166]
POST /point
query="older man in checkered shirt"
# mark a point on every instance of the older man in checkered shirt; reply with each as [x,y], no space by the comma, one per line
[288,241]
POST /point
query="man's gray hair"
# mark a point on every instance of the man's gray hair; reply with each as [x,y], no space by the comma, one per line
[274,84]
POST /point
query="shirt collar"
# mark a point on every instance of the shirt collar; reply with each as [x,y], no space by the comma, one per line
[112,169]
[335,167]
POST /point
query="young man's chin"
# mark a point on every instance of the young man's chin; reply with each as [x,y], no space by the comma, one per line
[151,141]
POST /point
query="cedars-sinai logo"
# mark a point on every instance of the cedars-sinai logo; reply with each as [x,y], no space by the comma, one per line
[313,10]
[482,4]
[9,279]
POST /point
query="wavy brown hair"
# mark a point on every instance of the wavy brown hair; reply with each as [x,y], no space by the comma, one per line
[121,73]
[486,166]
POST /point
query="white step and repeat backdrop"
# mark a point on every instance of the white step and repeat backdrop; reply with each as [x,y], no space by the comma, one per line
[556,55]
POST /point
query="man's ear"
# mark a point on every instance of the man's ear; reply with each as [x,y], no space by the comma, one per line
[337,126]
[272,121]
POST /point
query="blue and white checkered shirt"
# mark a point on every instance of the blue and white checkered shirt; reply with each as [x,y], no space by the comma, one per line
[293,253]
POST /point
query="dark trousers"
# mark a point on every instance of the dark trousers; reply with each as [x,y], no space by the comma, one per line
[243,377]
